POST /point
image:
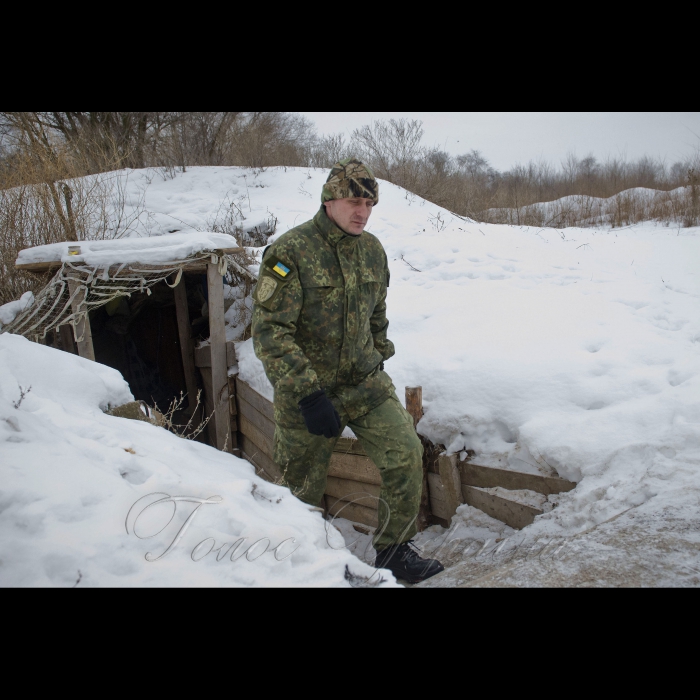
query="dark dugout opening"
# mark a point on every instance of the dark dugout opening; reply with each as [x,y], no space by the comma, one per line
[138,336]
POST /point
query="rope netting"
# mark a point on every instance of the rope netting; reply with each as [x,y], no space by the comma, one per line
[77,289]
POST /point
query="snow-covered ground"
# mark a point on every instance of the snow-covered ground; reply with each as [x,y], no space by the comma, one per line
[567,350]
[89,499]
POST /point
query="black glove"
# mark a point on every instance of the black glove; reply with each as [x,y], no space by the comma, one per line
[320,416]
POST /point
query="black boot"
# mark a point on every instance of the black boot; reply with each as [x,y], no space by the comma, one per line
[404,562]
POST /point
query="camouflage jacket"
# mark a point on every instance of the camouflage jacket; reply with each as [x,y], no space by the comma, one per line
[319,320]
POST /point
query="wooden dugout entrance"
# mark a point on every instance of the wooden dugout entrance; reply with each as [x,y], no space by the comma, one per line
[163,312]
[242,420]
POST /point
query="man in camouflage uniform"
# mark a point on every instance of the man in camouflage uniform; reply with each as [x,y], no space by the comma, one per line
[320,330]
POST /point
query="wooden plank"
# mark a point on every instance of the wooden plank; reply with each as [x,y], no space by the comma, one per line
[67,339]
[517,515]
[207,403]
[194,266]
[414,406]
[82,329]
[489,477]
[233,408]
[202,356]
[256,435]
[437,490]
[186,350]
[219,368]
[264,466]
[349,446]
[256,400]
[355,467]
[254,416]
[349,490]
[451,486]
[40,267]
[440,510]
[414,403]
[353,511]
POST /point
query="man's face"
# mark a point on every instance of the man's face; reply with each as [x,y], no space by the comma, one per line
[350,215]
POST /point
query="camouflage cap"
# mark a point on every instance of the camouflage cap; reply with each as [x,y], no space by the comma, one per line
[350,178]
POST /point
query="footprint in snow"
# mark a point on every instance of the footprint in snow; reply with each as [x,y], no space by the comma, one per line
[632,304]
[134,476]
[676,378]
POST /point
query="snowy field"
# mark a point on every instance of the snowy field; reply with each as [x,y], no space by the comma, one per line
[575,351]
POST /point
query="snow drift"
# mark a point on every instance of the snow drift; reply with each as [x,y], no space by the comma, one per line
[88,499]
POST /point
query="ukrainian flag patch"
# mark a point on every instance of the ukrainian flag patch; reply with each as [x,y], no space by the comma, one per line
[276,266]
[281,269]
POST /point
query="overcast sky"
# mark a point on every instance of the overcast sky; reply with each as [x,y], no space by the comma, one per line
[508,138]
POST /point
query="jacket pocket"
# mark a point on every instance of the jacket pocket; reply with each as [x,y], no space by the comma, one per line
[323,299]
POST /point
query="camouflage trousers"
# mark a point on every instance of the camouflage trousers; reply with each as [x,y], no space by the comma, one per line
[389,438]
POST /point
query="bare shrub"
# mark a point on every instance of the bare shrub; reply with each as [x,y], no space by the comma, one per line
[93,207]
[196,422]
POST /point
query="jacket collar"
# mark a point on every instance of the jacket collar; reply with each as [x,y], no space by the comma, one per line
[331,232]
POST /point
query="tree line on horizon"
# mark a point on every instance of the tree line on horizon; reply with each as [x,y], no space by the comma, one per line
[45,146]
[44,154]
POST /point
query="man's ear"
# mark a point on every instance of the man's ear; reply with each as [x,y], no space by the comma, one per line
[328,209]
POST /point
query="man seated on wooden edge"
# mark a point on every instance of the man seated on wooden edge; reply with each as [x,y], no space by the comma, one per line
[320,330]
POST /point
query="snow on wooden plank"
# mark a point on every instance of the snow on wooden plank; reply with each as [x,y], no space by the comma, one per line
[146,250]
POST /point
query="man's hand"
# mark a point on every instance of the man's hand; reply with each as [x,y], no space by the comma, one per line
[320,416]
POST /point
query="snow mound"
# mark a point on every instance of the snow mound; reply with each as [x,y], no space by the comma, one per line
[8,312]
[88,499]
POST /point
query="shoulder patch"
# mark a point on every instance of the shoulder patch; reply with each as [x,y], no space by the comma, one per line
[266,288]
[276,266]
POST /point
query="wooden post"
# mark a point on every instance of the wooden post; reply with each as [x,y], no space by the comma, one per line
[414,402]
[82,329]
[233,411]
[186,350]
[219,369]
[414,405]
[451,483]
